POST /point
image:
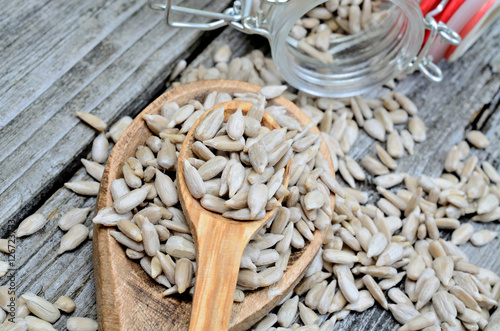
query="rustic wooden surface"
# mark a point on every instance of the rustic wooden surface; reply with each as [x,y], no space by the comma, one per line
[112,59]
[122,285]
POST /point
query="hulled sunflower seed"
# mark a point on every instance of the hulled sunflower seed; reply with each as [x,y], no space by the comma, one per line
[65,304]
[81,324]
[180,247]
[478,139]
[93,168]
[212,167]
[34,323]
[31,225]
[183,274]
[83,187]
[109,217]
[417,129]
[92,120]
[375,129]
[100,147]
[73,217]
[117,129]
[209,126]
[73,238]
[150,237]
[482,237]
[257,198]
[130,200]
[194,182]
[41,307]
[236,125]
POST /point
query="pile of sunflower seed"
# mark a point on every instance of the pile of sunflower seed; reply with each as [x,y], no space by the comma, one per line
[333,20]
[374,248]
[389,253]
[251,161]
[150,221]
[36,313]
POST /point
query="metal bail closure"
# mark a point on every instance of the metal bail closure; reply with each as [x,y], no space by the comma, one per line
[239,16]
[423,61]
[231,14]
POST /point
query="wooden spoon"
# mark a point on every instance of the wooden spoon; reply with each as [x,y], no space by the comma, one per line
[127,298]
[219,241]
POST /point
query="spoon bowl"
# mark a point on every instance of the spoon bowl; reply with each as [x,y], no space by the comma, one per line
[127,298]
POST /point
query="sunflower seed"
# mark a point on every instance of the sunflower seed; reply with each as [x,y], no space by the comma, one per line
[194,182]
[487,204]
[73,238]
[83,187]
[117,129]
[374,167]
[180,247]
[65,304]
[107,216]
[81,324]
[477,139]
[130,200]
[386,158]
[395,145]
[209,126]
[73,217]
[41,307]
[419,322]
[266,322]
[390,180]
[307,315]
[257,198]
[381,114]
[271,92]
[417,129]
[94,169]
[92,120]
[31,225]
[34,323]
[236,125]
[375,129]
[402,312]
[287,312]
[346,283]
[150,237]
[482,237]
[183,274]
[492,173]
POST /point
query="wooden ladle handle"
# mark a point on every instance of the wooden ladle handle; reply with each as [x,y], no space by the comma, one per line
[220,248]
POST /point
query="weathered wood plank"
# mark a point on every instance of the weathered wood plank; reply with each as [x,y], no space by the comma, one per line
[42,271]
[14,12]
[125,69]
[447,109]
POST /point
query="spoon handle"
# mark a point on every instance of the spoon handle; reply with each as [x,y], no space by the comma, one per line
[220,248]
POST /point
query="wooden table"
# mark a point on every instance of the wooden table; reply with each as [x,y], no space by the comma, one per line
[112,58]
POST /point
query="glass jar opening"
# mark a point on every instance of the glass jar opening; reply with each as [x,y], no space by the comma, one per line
[348,64]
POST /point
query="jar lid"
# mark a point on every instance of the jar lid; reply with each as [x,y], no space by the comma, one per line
[474,28]
[469,18]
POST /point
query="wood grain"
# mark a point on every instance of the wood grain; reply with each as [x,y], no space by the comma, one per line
[471,85]
[121,284]
[110,58]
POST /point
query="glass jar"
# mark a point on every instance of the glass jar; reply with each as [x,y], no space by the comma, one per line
[359,61]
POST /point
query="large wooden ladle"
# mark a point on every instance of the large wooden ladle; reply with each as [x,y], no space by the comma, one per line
[219,241]
[127,298]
